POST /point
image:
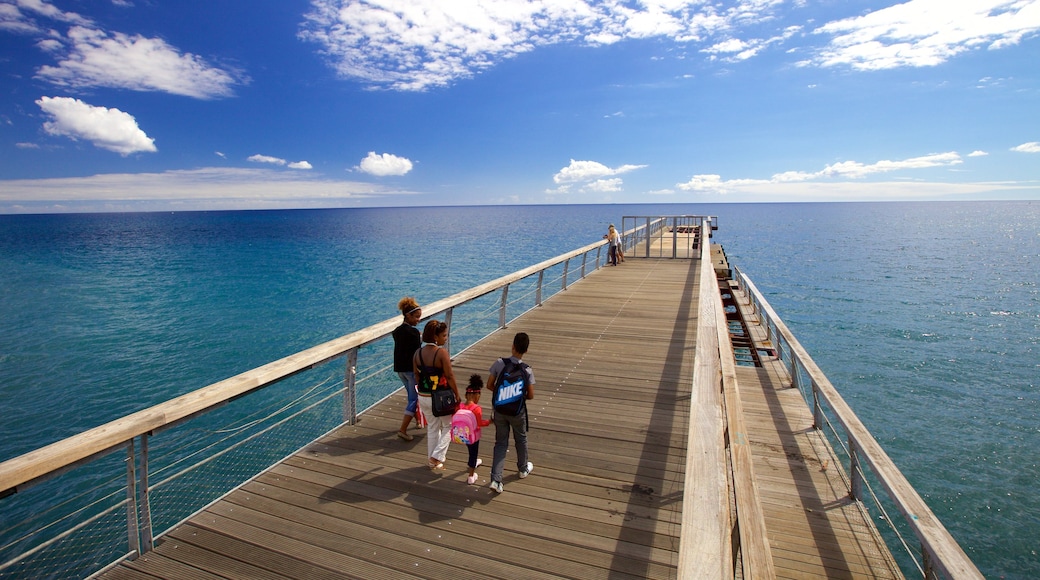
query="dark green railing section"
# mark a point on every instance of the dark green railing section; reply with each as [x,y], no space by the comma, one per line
[81,504]
[937,553]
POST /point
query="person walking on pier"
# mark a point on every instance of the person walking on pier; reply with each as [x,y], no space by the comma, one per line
[512,382]
[613,238]
[433,362]
[407,340]
[472,430]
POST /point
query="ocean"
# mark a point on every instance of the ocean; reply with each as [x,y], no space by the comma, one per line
[925,316]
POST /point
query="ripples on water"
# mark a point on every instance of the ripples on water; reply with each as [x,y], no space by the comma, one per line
[926,316]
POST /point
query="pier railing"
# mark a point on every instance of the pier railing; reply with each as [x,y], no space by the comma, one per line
[72,528]
[938,553]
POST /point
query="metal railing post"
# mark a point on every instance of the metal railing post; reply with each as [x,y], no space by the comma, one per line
[584,258]
[132,531]
[675,237]
[502,307]
[447,320]
[349,388]
[647,252]
[145,502]
[566,267]
[817,410]
[538,293]
[855,471]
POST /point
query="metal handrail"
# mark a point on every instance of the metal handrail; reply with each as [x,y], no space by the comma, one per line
[940,552]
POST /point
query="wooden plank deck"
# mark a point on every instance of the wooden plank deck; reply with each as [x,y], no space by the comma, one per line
[814,530]
[613,360]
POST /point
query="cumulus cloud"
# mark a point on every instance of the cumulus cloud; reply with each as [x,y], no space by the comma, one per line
[94,58]
[277,161]
[109,129]
[266,159]
[22,17]
[418,44]
[383,165]
[1031,147]
[978,154]
[579,171]
[925,32]
[842,170]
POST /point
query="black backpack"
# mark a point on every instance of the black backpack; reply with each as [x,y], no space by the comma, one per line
[510,388]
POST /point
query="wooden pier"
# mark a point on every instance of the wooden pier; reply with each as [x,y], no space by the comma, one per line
[610,437]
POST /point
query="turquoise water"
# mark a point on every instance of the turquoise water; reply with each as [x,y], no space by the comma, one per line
[926,316]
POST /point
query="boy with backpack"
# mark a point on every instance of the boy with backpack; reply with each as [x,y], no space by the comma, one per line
[512,382]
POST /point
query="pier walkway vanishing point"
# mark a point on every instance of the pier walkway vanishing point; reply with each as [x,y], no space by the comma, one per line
[611,433]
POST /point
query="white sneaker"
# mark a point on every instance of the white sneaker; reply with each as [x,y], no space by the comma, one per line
[479,463]
[526,472]
[496,486]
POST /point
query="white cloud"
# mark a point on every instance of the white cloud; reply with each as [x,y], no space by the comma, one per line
[109,129]
[412,45]
[579,171]
[926,32]
[99,59]
[842,170]
[276,161]
[20,16]
[603,186]
[977,154]
[213,188]
[383,165]
[266,159]
[1031,147]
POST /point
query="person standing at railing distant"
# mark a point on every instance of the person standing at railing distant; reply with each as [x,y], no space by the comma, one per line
[435,361]
[407,340]
[613,238]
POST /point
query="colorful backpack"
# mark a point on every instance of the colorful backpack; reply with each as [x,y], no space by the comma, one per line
[463,427]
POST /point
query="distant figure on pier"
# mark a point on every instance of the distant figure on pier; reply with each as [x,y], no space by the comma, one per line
[613,238]
[433,362]
[407,340]
[512,382]
[471,437]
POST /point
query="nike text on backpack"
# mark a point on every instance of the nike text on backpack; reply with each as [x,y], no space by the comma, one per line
[510,388]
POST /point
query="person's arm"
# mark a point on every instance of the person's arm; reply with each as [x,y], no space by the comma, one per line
[479,414]
[530,383]
[449,374]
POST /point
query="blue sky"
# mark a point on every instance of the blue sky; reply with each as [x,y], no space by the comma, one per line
[142,105]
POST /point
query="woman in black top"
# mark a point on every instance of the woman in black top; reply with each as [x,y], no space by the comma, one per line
[407,340]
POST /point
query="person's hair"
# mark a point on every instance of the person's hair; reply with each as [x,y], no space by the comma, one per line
[475,384]
[432,329]
[521,341]
[407,304]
